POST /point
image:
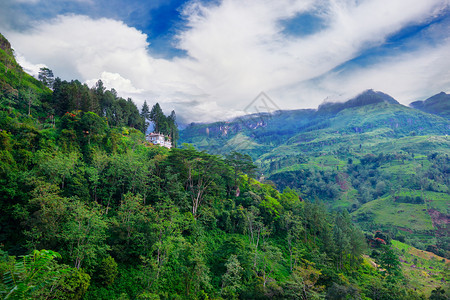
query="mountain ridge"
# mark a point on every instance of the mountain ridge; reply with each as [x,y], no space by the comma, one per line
[438,104]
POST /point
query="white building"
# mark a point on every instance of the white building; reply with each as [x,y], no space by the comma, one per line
[159,139]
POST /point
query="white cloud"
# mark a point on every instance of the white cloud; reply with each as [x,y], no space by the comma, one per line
[411,76]
[236,49]
[116,81]
[30,68]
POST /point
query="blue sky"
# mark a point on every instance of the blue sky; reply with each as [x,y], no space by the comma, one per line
[207,59]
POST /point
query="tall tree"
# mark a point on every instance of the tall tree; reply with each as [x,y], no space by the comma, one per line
[85,233]
[203,174]
[173,128]
[145,114]
[241,163]
[231,280]
[159,119]
[46,76]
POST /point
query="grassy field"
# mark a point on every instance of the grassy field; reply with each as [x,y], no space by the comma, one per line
[401,215]
[424,270]
[438,201]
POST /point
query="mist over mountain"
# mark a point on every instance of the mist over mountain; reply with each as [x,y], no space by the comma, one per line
[365,98]
[368,112]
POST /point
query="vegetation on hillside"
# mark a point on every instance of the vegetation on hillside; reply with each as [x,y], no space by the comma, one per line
[90,210]
[369,148]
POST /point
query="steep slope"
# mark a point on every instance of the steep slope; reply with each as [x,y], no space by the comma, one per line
[17,88]
[12,76]
[131,220]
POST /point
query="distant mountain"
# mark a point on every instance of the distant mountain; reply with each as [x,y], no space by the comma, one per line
[438,104]
[365,98]
[363,117]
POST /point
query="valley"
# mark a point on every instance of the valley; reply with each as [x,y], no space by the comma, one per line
[386,163]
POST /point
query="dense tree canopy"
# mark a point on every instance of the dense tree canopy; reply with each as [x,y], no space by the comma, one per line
[92,211]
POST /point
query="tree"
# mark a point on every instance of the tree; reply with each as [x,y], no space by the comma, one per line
[158,118]
[92,126]
[389,261]
[29,96]
[84,233]
[294,228]
[358,245]
[341,235]
[242,164]
[303,282]
[203,174]
[341,292]
[256,230]
[145,114]
[46,213]
[59,97]
[58,167]
[231,280]
[46,76]
[72,286]
[107,271]
[173,128]
[268,259]
[131,236]
[192,271]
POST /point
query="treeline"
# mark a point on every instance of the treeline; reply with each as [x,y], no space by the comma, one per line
[49,99]
[74,96]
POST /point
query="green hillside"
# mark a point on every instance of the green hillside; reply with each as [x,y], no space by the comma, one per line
[91,210]
[358,155]
[19,89]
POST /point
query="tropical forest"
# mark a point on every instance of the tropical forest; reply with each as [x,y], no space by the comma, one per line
[346,201]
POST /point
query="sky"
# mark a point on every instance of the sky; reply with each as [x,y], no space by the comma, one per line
[208,60]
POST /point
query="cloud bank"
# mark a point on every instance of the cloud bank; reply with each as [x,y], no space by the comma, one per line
[236,49]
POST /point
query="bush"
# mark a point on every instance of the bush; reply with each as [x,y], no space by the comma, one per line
[107,271]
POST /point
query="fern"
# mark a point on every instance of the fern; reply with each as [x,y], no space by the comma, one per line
[31,273]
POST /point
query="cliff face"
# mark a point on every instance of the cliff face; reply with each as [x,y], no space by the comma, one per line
[7,55]
[5,45]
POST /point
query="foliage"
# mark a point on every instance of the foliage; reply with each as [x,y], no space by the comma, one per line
[107,271]
[31,274]
[146,222]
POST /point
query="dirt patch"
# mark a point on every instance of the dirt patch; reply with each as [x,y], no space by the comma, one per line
[439,219]
[371,261]
[405,229]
